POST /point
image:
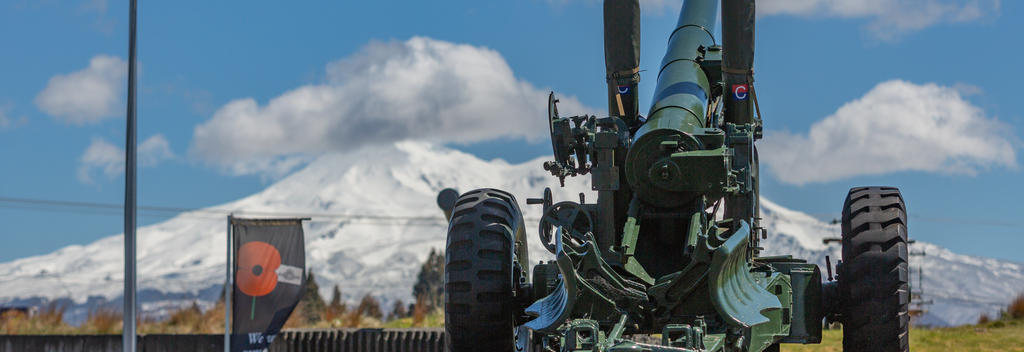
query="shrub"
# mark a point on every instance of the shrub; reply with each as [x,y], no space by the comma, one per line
[370,307]
[1016,308]
[312,305]
[336,309]
[419,312]
[430,280]
[984,319]
[102,320]
[398,311]
[186,319]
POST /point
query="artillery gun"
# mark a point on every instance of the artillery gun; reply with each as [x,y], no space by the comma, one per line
[672,244]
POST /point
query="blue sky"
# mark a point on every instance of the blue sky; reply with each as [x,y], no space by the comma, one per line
[916,94]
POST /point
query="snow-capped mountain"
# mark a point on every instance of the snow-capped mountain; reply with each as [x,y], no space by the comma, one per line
[380,222]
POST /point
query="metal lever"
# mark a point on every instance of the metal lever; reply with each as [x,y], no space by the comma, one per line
[828,266]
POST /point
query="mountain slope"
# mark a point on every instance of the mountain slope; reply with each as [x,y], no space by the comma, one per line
[182,259]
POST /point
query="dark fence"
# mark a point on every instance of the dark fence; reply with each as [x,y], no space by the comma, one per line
[316,340]
[362,340]
[299,340]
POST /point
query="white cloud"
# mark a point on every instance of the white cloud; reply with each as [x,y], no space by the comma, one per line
[897,126]
[889,19]
[86,96]
[99,6]
[102,22]
[417,89]
[646,6]
[153,150]
[100,155]
[6,120]
[108,159]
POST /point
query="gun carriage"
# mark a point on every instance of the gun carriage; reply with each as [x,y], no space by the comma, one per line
[672,244]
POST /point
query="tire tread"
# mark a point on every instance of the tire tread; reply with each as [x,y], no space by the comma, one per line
[478,271]
[874,279]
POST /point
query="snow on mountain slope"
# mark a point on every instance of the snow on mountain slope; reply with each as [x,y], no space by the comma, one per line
[182,259]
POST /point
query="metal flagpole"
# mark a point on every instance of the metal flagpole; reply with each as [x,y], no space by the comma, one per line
[128,316]
[228,290]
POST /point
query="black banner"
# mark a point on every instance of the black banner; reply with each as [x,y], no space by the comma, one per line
[269,279]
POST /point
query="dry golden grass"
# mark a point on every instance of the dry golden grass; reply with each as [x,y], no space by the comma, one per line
[352,319]
[102,321]
[188,320]
[48,320]
[334,313]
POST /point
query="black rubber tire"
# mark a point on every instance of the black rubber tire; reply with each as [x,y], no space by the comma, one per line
[873,280]
[479,311]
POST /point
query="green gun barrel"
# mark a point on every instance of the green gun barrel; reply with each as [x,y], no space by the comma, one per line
[677,114]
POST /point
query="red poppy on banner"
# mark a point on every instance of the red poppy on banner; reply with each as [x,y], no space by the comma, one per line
[257,268]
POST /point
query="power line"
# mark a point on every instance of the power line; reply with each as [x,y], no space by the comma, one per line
[938,219]
[394,221]
[95,208]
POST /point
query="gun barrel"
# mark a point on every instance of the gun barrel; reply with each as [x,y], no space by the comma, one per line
[677,110]
[681,95]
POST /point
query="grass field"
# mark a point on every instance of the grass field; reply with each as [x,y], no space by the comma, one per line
[1003,336]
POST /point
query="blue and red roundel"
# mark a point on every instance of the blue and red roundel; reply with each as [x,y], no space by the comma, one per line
[740,91]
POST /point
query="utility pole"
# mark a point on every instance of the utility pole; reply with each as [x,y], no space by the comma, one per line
[229,287]
[128,338]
